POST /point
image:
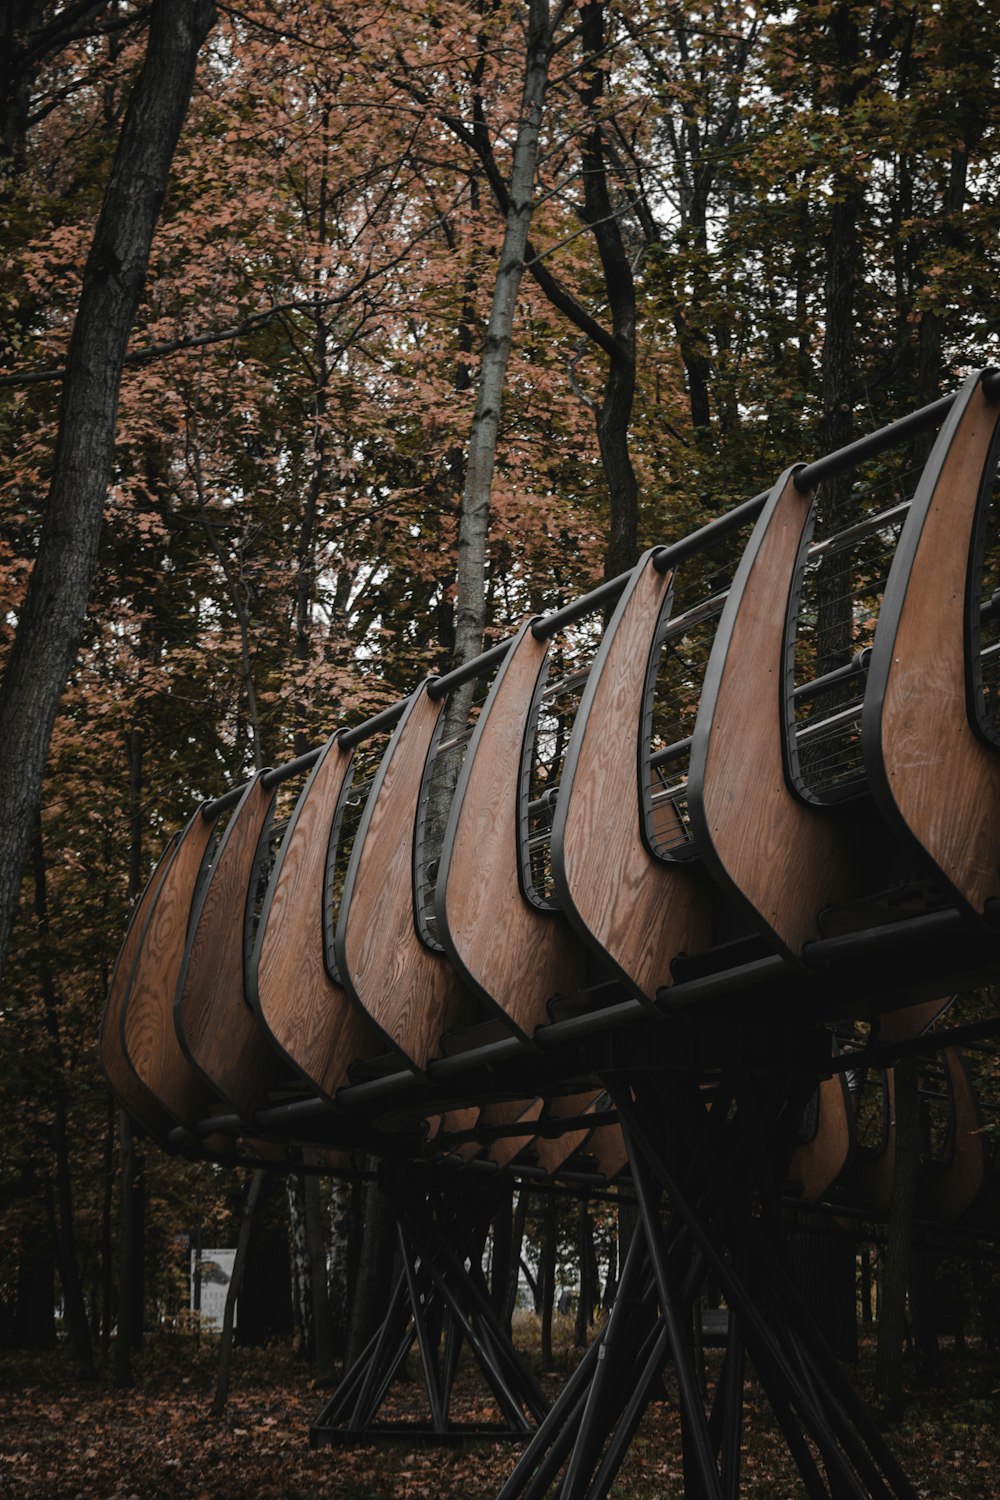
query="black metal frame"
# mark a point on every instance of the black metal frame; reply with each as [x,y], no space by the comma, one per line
[892,604]
[719,1171]
[979,716]
[439,1301]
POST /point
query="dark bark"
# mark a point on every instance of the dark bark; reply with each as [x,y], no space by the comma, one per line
[232,1294]
[266,1303]
[132,1200]
[371,1291]
[547,1278]
[130,1255]
[63,1225]
[824,1265]
[614,412]
[322,1331]
[107,1202]
[28,41]
[503,1239]
[52,618]
[514,1263]
[34,1312]
[895,1260]
[588,1274]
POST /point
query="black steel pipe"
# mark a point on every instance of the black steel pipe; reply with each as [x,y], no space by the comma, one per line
[291,768]
[854,668]
[439,687]
[387,719]
[210,810]
[547,625]
[669,753]
[876,442]
[741,515]
[665,558]
[933,924]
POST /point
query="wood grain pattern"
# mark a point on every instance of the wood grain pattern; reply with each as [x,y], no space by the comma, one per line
[454,1120]
[927,766]
[148,1037]
[607,1147]
[409,992]
[554,1151]
[510,951]
[307,1014]
[949,1190]
[521,1111]
[635,910]
[816,1164]
[133,1096]
[215,1025]
[785,860]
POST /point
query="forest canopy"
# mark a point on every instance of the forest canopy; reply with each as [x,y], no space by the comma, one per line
[755,231]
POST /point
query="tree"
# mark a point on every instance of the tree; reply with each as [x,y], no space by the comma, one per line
[51,621]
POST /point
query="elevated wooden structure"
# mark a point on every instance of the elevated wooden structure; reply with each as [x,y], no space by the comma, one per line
[595,905]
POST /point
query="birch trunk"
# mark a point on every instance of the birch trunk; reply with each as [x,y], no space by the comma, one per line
[474,520]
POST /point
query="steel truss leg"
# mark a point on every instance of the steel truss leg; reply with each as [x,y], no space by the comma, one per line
[814,1402]
[717,1168]
[440,1300]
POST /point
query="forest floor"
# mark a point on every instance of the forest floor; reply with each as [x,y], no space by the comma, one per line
[63,1441]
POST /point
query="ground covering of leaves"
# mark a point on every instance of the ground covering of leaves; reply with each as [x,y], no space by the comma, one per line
[60,1441]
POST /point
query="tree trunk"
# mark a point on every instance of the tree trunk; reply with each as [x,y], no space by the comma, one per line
[547,1278]
[371,1291]
[514,1263]
[503,1238]
[474,518]
[130,1298]
[107,1205]
[614,412]
[300,1262]
[588,1275]
[51,621]
[895,1259]
[340,1225]
[232,1294]
[34,1313]
[318,1287]
[63,1224]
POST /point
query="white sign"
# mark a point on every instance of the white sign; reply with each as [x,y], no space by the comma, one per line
[216,1273]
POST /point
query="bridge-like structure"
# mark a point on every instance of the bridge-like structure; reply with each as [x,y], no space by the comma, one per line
[651,894]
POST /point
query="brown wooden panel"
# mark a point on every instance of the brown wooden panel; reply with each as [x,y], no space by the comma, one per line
[504,1150]
[409,992]
[948,1191]
[510,951]
[148,1035]
[215,1025]
[607,1147]
[307,1014]
[785,859]
[633,908]
[816,1164]
[900,1025]
[130,1093]
[553,1151]
[460,1120]
[926,765]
